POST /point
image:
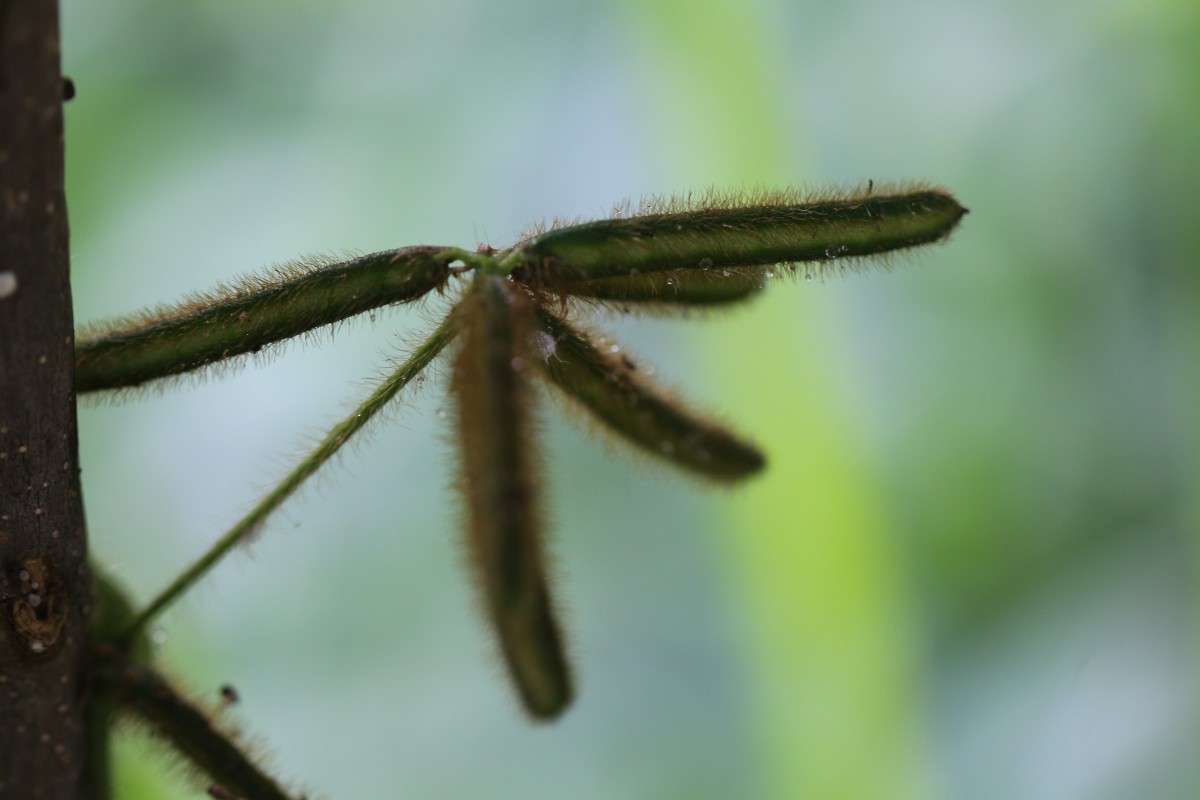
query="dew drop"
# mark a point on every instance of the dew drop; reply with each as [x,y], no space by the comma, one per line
[159,636]
[614,348]
[706,263]
[23,575]
[441,412]
[37,646]
[34,600]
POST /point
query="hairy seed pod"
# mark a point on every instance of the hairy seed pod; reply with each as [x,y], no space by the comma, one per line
[736,231]
[253,314]
[607,384]
[492,392]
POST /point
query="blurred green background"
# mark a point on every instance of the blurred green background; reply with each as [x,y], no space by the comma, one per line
[969,570]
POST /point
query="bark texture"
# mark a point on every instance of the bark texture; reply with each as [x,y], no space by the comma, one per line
[44,580]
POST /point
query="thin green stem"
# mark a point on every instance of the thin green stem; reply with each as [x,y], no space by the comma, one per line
[332,442]
[472,259]
[510,260]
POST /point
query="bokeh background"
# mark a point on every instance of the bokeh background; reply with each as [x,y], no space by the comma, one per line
[969,570]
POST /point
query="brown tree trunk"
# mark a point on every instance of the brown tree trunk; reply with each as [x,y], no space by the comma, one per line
[44,580]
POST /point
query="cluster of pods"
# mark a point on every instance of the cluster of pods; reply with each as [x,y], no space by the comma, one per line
[510,325]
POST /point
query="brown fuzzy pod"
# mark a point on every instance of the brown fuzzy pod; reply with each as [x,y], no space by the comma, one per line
[492,391]
[609,386]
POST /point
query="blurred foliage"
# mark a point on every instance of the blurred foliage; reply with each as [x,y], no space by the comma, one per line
[969,570]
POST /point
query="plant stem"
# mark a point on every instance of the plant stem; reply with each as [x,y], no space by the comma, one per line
[45,713]
[332,442]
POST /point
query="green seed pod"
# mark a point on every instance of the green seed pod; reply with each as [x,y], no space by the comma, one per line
[608,384]
[253,314]
[493,396]
[738,231]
